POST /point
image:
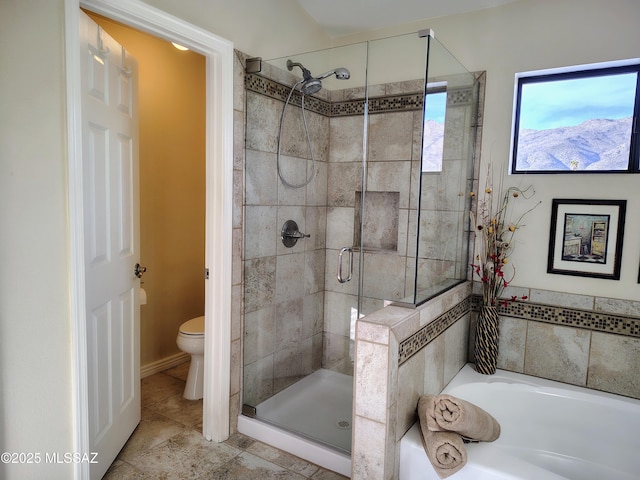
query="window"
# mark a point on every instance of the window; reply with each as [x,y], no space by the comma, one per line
[433,128]
[579,120]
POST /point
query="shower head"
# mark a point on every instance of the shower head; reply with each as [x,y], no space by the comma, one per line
[310,84]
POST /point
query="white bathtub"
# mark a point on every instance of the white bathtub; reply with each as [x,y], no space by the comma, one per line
[550,430]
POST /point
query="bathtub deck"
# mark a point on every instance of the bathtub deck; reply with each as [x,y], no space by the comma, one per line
[537,440]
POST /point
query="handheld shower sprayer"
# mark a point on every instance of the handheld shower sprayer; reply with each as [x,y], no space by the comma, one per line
[308,86]
[341,73]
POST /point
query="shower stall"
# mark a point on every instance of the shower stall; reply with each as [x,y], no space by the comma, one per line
[358,167]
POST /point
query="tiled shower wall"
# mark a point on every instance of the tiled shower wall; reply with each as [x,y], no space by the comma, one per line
[298,316]
[284,287]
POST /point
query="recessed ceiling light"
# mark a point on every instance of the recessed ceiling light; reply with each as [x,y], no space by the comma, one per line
[179,47]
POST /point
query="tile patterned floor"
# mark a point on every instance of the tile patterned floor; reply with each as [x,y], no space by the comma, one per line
[168,444]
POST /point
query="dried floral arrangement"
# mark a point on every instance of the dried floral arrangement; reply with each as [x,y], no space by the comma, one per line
[495,231]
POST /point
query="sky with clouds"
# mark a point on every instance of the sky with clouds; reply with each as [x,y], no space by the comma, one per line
[570,102]
[436,106]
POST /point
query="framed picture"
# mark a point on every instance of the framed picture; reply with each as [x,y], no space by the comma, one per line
[586,238]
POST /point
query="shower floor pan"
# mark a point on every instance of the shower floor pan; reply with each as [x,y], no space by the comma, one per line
[318,407]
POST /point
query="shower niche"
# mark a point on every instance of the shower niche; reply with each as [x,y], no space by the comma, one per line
[370,151]
[379,220]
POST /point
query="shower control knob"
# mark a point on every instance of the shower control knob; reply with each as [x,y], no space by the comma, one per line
[290,234]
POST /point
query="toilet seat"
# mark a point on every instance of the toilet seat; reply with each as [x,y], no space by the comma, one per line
[193,327]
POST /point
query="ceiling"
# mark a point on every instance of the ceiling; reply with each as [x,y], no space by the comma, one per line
[343,17]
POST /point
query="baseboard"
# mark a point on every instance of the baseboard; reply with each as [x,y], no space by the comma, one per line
[164,364]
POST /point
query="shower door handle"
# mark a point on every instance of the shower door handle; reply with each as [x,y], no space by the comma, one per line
[342,279]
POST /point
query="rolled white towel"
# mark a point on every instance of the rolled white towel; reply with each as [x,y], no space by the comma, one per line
[447,413]
[445,450]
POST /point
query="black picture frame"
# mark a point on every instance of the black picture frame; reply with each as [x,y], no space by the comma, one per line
[586,237]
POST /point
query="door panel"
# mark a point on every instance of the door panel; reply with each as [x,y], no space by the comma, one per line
[111,206]
[96,208]
[124,175]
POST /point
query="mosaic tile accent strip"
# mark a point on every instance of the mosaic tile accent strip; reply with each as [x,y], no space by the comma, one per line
[396,103]
[393,103]
[416,342]
[347,108]
[278,91]
[462,96]
[570,317]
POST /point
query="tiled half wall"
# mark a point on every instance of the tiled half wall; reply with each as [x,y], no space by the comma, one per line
[401,353]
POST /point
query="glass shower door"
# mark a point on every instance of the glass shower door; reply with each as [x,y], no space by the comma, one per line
[445,175]
[388,208]
[418,172]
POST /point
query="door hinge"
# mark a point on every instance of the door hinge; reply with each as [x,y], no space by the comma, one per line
[206,274]
[249,411]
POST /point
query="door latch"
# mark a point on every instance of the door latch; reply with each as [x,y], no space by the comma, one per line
[139,270]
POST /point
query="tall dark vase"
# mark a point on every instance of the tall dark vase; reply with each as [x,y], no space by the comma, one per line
[486,343]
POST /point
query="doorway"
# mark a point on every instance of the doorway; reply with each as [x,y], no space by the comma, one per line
[172,118]
[219,165]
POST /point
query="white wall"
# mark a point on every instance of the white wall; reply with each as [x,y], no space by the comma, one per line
[538,34]
[260,28]
[35,353]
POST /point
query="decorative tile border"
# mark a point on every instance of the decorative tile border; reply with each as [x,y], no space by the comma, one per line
[537,312]
[570,317]
[278,91]
[347,108]
[416,342]
[392,103]
[460,96]
[396,103]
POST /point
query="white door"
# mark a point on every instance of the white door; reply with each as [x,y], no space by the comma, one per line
[111,233]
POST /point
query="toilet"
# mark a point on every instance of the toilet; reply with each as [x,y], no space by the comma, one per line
[190,340]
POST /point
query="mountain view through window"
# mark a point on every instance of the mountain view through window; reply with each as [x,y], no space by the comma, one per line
[579,123]
[433,131]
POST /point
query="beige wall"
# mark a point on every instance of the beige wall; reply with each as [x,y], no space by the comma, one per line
[172,186]
[35,335]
